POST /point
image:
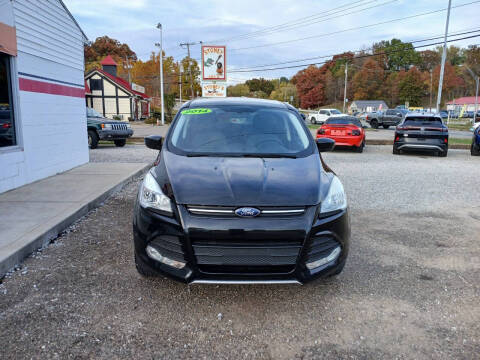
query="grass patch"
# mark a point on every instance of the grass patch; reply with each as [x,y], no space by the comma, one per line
[457,141]
[461,127]
[313,126]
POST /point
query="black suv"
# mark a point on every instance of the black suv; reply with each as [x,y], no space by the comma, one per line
[100,128]
[240,194]
[421,132]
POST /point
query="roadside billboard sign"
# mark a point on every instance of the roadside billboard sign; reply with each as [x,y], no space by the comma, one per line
[214,89]
[214,66]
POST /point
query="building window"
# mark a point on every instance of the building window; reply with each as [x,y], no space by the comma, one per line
[7,124]
[96,84]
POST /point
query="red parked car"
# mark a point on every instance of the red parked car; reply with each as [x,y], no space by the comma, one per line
[345,130]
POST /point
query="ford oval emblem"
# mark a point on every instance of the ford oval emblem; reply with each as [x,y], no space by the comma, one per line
[247,212]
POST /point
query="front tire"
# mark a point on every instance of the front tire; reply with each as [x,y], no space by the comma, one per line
[92,139]
[374,124]
[313,121]
[120,143]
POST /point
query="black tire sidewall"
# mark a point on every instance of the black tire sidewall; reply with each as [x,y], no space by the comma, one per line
[94,137]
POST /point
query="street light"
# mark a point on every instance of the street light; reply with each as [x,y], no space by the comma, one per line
[160,45]
[475,77]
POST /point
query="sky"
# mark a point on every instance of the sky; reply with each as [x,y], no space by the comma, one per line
[332,27]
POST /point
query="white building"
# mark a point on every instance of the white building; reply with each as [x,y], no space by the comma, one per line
[112,96]
[466,103]
[42,96]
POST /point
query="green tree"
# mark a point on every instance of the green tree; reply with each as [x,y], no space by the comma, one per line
[411,87]
[261,84]
[238,90]
[396,55]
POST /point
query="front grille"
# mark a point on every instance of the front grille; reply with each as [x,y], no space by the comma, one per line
[169,246]
[252,256]
[119,126]
[320,247]
[229,211]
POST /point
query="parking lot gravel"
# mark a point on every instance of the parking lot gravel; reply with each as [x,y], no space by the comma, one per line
[410,288]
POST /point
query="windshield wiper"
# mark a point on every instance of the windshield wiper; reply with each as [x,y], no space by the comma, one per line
[211,155]
[290,156]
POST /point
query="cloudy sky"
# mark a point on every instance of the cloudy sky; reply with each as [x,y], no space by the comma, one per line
[258,32]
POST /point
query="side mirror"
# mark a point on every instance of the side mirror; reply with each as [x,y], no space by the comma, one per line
[325,144]
[154,142]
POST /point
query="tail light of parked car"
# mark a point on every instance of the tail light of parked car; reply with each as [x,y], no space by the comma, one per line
[356,132]
[321,131]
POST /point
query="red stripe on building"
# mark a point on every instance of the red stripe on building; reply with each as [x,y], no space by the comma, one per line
[49,88]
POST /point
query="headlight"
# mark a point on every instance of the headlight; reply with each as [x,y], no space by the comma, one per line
[129,126]
[336,198]
[151,196]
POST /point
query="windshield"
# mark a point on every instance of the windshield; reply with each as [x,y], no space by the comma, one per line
[344,121]
[92,113]
[335,112]
[239,131]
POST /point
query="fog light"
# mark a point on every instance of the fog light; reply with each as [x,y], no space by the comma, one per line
[333,256]
[155,255]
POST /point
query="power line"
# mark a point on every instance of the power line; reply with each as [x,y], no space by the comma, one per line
[457,33]
[288,23]
[353,28]
[358,57]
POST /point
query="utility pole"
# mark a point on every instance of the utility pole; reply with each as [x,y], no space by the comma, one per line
[431,88]
[159,26]
[475,77]
[188,44]
[180,70]
[128,69]
[345,90]
[444,56]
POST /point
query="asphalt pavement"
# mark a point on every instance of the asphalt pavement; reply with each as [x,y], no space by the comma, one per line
[409,290]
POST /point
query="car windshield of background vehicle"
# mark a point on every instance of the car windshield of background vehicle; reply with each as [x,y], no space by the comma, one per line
[344,121]
[335,112]
[240,131]
[7,126]
[423,120]
[92,113]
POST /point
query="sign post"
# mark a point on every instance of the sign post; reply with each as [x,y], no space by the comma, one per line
[214,71]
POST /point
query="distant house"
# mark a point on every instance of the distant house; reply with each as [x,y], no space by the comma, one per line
[111,95]
[367,106]
[458,104]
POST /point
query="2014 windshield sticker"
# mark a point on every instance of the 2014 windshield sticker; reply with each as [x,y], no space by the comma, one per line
[198,111]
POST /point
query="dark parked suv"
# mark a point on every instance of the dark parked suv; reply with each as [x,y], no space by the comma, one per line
[240,194]
[423,132]
[101,128]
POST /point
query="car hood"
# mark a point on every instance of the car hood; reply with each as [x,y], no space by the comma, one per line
[230,181]
[102,120]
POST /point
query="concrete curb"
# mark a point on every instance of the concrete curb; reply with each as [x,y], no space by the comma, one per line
[12,260]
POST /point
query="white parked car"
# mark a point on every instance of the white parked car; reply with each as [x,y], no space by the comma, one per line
[323,115]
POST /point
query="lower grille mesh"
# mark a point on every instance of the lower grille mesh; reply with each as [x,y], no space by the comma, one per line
[246,255]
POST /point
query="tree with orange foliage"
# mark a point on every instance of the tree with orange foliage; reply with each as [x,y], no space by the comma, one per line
[310,87]
[368,81]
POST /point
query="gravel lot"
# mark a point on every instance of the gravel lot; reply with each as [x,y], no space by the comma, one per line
[410,288]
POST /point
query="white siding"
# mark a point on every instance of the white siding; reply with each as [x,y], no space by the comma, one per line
[108,88]
[52,128]
[124,107]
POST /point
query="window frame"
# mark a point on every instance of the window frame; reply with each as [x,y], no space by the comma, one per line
[12,79]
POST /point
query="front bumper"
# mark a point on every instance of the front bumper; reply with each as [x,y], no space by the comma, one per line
[115,134]
[242,250]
